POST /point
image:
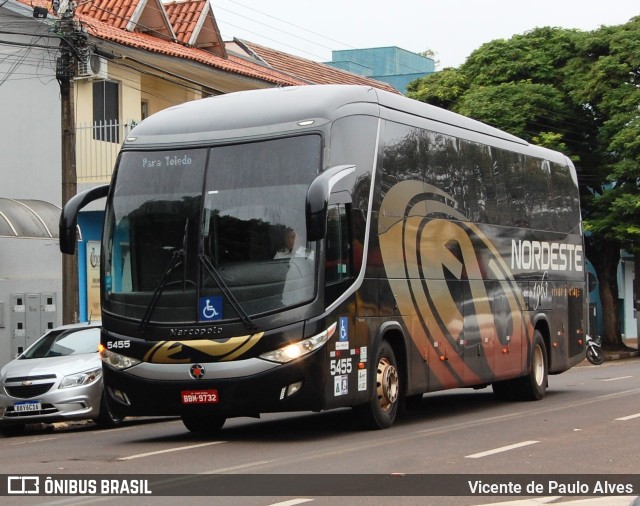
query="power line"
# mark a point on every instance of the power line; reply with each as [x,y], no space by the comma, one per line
[375,56]
[273,28]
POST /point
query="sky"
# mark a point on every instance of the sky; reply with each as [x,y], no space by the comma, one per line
[453,29]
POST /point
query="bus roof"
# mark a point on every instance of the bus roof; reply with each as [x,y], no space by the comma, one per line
[256,112]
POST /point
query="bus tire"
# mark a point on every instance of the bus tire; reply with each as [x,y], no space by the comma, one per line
[380,412]
[106,419]
[532,387]
[203,424]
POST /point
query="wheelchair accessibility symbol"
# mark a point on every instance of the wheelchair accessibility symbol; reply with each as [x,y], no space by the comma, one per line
[343,335]
[210,308]
[343,327]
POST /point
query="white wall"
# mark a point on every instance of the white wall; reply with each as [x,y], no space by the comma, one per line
[30,137]
[27,266]
[30,155]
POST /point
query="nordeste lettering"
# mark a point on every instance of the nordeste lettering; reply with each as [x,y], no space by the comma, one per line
[546,256]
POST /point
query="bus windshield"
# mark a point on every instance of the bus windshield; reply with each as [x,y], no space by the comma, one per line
[211,233]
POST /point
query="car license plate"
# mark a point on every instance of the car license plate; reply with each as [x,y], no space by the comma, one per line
[22,407]
[199,397]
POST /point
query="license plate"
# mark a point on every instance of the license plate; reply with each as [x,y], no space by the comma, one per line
[22,407]
[199,397]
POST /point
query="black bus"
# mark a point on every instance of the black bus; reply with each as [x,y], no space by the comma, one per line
[316,247]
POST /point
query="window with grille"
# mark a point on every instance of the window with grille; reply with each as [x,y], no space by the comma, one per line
[106,108]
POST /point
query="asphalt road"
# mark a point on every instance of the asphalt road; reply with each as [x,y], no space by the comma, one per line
[588,424]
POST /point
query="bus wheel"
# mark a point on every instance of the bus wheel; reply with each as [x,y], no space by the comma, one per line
[381,411]
[106,418]
[203,424]
[532,386]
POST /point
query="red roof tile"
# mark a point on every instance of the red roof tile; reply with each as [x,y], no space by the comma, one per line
[311,71]
[154,44]
[117,13]
[194,24]
[183,17]
[108,19]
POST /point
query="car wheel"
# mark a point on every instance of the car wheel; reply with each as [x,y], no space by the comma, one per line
[12,430]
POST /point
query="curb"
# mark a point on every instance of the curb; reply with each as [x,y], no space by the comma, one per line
[618,355]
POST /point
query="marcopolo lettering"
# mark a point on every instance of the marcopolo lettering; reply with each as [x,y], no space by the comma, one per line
[195,331]
[542,255]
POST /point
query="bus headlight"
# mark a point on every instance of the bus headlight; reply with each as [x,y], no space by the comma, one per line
[296,350]
[116,360]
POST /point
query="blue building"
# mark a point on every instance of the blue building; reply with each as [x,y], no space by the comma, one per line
[392,65]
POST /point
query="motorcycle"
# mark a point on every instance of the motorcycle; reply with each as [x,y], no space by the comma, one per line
[594,350]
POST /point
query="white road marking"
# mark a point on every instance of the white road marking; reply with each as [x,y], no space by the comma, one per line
[526,502]
[594,501]
[620,378]
[501,449]
[625,418]
[616,394]
[169,450]
[32,441]
[291,502]
[238,467]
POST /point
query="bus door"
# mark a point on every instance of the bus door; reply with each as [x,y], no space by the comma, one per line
[576,331]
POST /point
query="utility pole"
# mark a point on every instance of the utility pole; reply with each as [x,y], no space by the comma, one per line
[73,45]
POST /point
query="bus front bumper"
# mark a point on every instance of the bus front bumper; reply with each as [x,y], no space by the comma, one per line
[297,386]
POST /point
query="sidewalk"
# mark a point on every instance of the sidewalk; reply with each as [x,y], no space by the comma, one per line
[617,355]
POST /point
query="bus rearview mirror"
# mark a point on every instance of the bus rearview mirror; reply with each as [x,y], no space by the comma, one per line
[69,216]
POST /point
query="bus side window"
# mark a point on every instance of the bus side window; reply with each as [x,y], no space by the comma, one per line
[337,265]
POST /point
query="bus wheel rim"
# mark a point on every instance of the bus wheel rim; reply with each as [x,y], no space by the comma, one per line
[387,384]
[538,365]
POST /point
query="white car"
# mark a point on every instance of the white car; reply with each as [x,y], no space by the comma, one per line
[57,378]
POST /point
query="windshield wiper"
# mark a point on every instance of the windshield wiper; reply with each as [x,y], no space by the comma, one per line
[215,274]
[179,256]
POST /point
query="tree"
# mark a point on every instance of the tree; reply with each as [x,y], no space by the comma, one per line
[611,86]
[573,91]
[430,53]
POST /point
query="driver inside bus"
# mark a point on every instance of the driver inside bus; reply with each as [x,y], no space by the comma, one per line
[289,241]
[289,249]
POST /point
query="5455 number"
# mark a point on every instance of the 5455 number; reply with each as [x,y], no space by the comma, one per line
[340,366]
[118,345]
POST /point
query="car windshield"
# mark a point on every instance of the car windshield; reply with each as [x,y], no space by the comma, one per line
[210,233]
[61,343]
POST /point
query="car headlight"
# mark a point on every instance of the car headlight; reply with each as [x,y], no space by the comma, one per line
[81,378]
[296,350]
[116,360]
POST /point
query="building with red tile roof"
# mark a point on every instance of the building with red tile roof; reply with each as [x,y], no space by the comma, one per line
[124,60]
[311,72]
[187,30]
[195,25]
